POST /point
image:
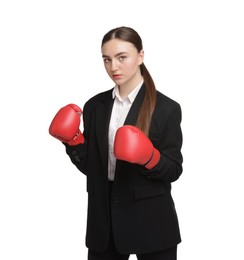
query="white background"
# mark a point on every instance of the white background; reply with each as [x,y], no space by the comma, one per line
[50,56]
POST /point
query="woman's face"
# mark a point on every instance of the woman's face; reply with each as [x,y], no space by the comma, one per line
[122,62]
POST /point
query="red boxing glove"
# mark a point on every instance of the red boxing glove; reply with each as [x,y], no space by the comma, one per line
[65,125]
[133,146]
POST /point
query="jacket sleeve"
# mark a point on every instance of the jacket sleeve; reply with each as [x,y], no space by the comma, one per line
[78,153]
[169,167]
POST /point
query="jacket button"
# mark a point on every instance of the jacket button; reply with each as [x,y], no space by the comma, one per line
[115,200]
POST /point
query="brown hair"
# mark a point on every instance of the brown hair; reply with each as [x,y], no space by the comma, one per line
[130,35]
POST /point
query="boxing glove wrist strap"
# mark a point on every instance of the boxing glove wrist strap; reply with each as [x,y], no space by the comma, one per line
[153,161]
[78,139]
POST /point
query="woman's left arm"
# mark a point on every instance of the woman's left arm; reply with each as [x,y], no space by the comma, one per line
[169,167]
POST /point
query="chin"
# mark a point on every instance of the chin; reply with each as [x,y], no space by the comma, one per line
[118,82]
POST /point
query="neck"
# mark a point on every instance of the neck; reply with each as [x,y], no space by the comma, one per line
[126,89]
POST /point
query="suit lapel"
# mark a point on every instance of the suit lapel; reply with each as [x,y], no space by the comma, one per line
[134,110]
[103,113]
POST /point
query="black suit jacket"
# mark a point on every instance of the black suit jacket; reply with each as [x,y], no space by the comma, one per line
[142,210]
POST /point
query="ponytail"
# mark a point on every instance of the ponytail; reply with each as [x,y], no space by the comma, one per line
[149,102]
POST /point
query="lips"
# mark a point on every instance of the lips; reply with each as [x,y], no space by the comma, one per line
[116,76]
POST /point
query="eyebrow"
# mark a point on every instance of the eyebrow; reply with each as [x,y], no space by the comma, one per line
[116,55]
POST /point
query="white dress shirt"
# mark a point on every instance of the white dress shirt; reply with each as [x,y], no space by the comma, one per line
[120,111]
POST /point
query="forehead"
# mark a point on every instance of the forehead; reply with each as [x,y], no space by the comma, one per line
[116,46]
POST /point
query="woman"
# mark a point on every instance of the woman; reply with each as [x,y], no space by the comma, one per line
[130,152]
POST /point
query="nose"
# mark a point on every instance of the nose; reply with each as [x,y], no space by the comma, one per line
[114,65]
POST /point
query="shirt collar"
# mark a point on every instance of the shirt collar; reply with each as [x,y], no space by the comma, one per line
[131,97]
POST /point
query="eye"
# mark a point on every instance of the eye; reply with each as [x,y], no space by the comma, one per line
[121,58]
[106,60]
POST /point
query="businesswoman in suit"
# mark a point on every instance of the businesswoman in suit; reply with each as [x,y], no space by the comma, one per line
[130,152]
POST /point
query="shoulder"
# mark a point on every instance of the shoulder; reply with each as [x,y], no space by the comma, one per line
[98,98]
[166,103]
[166,110]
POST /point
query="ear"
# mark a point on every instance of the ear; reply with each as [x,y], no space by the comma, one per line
[141,57]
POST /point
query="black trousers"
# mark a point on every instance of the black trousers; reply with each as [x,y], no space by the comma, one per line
[112,254]
[168,254]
